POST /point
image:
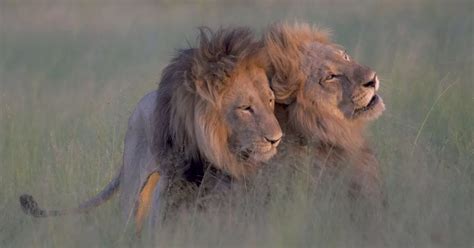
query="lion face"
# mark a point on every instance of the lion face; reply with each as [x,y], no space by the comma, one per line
[340,86]
[325,94]
[247,111]
[219,103]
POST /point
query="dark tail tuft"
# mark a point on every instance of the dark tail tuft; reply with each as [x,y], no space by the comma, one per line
[30,206]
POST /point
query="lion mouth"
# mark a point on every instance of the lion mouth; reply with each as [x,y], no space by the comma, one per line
[374,107]
[373,101]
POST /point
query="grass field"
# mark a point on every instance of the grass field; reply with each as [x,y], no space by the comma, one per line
[71,73]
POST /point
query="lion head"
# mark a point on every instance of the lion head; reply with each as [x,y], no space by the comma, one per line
[327,94]
[215,104]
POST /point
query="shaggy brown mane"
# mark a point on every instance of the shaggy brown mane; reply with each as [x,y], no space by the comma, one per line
[284,44]
[190,91]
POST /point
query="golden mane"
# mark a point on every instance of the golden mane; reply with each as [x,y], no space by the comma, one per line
[190,92]
[284,44]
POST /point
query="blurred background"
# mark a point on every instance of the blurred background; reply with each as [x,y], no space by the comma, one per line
[71,72]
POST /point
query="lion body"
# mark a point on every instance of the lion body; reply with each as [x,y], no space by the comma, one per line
[210,123]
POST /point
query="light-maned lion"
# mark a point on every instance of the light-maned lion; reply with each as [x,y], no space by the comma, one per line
[325,99]
[211,115]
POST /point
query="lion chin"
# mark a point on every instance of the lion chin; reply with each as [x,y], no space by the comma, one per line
[258,157]
[257,154]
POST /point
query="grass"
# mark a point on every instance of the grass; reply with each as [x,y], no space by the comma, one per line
[71,73]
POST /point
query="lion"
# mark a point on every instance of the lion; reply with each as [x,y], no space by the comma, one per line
[325,99]
[213,113]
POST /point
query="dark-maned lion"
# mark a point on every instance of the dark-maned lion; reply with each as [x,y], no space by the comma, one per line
[230,128]
[212,114]
[324,101]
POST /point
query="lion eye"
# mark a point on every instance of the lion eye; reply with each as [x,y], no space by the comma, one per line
[331,77]
[346,57]
[246,108]
[272,101]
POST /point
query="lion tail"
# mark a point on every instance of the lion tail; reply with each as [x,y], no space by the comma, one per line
[31,207]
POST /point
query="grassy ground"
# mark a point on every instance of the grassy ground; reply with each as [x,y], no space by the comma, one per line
[70,74]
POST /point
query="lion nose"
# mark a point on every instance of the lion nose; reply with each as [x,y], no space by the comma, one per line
[275,140]
[373,83]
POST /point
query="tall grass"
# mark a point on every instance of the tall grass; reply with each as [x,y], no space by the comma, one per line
[71,73]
